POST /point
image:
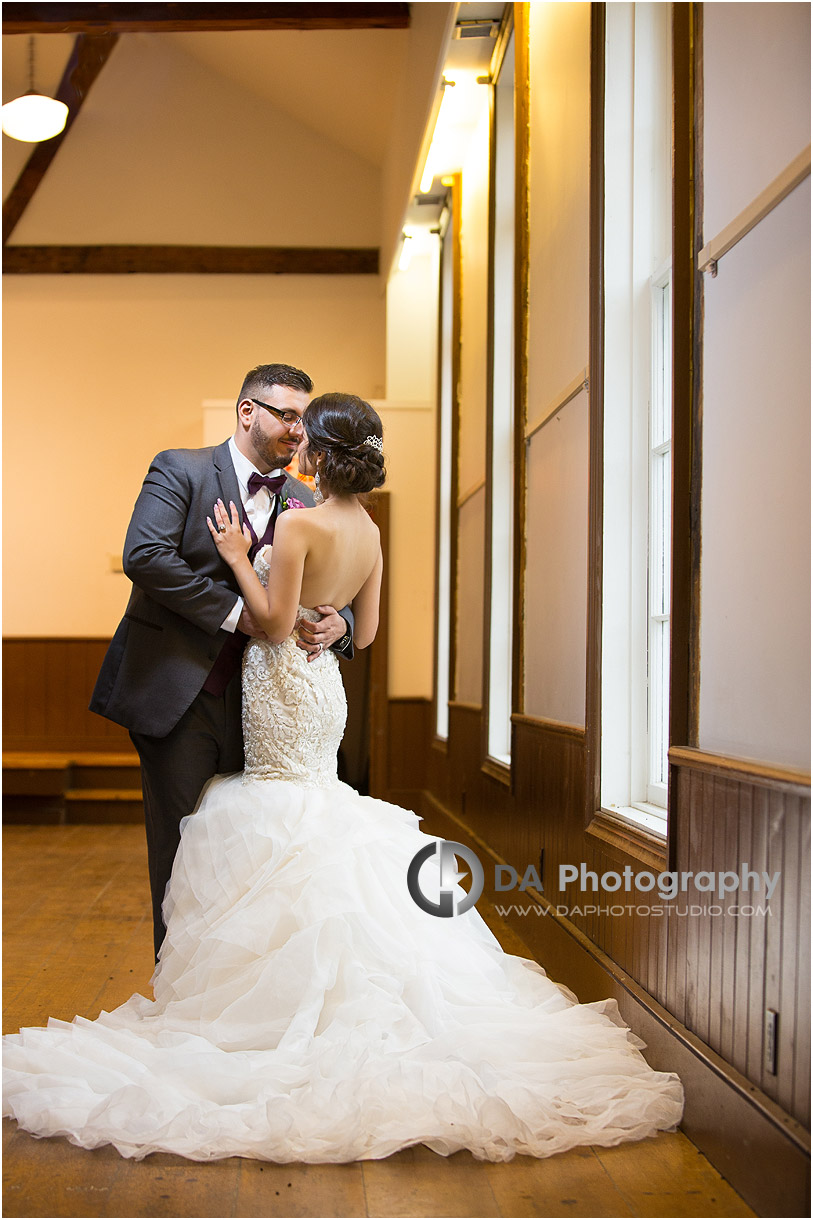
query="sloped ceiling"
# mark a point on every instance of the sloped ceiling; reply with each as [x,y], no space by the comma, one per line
[168,151]
[253,138]
[340,83]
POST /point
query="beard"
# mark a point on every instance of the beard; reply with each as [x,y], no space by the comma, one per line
[271,450]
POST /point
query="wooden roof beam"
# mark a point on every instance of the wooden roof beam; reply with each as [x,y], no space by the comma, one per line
[74,18]
[189,260]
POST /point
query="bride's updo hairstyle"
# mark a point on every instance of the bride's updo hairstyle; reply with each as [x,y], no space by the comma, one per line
[347,432]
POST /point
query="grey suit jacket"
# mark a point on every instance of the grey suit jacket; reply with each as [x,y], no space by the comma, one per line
[167,642]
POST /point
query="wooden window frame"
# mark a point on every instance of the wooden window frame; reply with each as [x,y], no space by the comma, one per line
[687,307]
[453,234]
[516,21]
[494,767]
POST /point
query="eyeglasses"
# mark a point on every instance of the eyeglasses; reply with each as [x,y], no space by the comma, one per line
[289,418]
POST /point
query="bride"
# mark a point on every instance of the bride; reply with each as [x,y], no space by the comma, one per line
[305,1008]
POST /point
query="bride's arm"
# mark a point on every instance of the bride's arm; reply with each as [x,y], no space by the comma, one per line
[274,608]
[365,606]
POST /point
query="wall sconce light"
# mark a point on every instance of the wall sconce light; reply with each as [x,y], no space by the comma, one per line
[428,176]
[406,251]
[33,117]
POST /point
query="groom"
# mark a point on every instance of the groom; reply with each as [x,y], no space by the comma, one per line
[172,672]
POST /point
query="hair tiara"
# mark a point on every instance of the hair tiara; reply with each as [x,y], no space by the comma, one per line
[376,442]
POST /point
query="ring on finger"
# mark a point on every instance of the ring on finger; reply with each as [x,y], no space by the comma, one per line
[222,529]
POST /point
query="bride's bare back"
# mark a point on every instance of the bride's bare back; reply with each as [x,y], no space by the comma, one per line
[324,556]
[343,547]
[329,555]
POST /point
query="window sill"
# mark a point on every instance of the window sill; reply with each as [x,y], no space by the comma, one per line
[498,770]
[651,818]
[629,837]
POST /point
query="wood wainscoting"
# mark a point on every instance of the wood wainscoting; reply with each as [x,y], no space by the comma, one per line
[61,763]
[47,684]
[696,986]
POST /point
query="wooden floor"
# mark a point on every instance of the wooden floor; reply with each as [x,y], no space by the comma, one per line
[78,939]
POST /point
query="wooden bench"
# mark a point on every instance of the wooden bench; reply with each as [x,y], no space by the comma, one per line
[69,787]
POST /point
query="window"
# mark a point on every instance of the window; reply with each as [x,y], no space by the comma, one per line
[501,452]
[446,481]
[637,414]
[659,550]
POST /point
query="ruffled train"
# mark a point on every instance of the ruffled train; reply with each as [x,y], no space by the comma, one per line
[307,1010]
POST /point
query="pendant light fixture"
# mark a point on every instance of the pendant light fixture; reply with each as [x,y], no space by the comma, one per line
[33,117]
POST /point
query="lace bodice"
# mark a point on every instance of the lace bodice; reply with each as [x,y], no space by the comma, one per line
[294,710]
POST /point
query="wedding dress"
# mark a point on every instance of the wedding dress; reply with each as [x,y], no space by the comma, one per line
[306,1009]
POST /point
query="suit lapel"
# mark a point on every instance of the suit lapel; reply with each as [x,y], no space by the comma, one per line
[227,478]
[296,489]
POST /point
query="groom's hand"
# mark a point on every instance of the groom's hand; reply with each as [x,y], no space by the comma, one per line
[315,638]
[246,624]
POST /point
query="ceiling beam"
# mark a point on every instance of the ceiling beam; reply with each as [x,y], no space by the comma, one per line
[90,54]
[171,18]
[189,260]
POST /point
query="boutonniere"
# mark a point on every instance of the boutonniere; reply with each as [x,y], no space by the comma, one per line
[291,502]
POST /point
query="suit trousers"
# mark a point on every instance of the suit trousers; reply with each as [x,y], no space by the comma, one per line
[206,741]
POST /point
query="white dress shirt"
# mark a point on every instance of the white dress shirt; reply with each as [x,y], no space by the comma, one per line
[258,509]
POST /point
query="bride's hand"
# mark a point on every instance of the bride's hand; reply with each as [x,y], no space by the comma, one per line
[232,542]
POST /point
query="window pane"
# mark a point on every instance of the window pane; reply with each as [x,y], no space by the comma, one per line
[502,397]
[445,506]
[637,409]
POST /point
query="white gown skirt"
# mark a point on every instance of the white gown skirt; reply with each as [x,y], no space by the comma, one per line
[306,1009]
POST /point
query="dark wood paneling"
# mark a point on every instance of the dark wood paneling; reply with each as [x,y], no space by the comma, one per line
[713,968]
[47,684]
[189,260]
[409,724]
[167,18]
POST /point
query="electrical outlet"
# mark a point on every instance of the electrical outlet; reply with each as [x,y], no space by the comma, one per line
[771,1023]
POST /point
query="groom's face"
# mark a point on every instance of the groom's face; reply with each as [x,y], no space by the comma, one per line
[275,442]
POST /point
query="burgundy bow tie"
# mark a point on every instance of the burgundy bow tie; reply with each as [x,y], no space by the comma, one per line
[274,483]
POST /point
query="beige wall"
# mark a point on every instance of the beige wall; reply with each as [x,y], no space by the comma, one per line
[473,399]
[558,343]
[409,418]
[174,147]
[755,514]
[474,312]
[102,372]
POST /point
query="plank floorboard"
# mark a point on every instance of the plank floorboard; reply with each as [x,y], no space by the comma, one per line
[573,1183]
[670,1177]
[164,1185]
[418,1182]
[79,938]
[300,1190]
